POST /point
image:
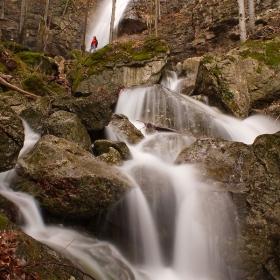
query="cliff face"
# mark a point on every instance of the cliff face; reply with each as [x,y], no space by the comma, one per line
[191,27]
[54,26]
[194,27]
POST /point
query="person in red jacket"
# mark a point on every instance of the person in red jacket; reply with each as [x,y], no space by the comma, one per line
[94,44]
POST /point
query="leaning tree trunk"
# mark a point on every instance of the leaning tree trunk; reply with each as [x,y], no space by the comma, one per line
[111,36]
[242,24]
[251,7]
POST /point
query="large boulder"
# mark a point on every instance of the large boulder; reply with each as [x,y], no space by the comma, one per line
[250,173]
[11,137]
[120,64]
[224,82]
[67,180]
[68,126]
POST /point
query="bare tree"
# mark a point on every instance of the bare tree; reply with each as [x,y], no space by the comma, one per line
[251,6]
[156,17]
[22,20]
[242,24]
[3,10]
[85,29]
[111,36]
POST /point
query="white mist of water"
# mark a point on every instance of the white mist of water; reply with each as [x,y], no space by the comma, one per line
[100,26]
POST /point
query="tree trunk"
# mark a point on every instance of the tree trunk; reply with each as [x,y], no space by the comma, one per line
[251,6]
[46,11]
[85,30]
[242,25]
[156,18]
[111,36]
[22,21]
[3,10]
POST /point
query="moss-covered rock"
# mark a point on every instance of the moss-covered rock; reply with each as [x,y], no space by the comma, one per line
[67,180]
[36,85]
[38,62]
[120,64]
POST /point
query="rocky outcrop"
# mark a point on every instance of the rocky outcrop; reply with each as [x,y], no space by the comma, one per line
[224,82]
[11,137]
[194,28]
[68,126]
[250,173]
[67,180]
[243,81]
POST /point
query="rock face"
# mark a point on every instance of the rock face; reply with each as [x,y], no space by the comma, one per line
[193,28]
[67,180]
[11,137]
[243,81]
[54,28]
[251,174]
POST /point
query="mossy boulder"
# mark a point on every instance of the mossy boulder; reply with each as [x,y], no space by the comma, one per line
[68,126]
[67,180]
[120,64]
[38,62]
[11,137]
[35,84]
[224,82]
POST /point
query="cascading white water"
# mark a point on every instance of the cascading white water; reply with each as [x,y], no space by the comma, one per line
[174,224]
[100,26]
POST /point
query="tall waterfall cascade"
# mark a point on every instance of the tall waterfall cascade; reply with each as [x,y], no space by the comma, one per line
[173,224]
[100,26]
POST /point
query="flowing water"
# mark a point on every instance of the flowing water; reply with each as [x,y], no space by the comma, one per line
[171,226]
[100,26]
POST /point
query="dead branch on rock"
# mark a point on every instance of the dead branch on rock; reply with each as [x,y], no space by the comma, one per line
[151,127]
[25,93]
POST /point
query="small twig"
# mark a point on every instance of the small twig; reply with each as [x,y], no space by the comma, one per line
[68,245]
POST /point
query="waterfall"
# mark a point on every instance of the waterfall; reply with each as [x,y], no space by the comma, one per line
[100,26]
[172,224]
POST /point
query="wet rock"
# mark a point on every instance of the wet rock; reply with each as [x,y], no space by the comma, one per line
[250,173]
[102,146]
[67,180]
[11,137]
[125,129]
[112,157]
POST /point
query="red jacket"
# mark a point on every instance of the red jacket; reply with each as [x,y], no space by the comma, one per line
[94,42]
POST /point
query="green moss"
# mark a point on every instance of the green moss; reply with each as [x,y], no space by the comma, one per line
[225,89]
[54,87]
[207,59]
[3,222]
[259,70]
[266,52]
[217,72]
[116,53]
[36,85]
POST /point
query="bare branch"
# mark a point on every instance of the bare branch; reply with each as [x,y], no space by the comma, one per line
[25,93]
